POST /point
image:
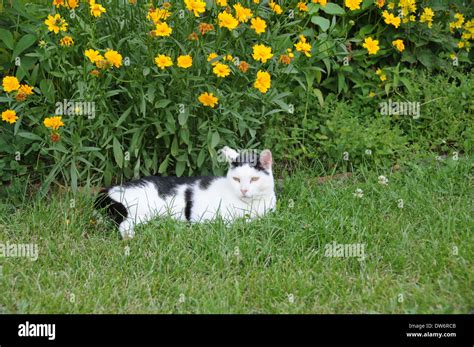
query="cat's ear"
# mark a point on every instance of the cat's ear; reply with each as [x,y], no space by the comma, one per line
[229,154]
[266,159]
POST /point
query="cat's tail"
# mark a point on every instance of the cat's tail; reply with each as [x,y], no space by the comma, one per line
[114,209]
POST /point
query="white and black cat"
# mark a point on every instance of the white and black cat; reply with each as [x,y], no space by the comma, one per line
[246,191]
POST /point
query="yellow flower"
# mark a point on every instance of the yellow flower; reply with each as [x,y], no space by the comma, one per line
[259,25]
[389,18]
[243,14]
[399,45]
[66,41]
[226,20]
[221,2]
[97,10]
[208,99]
[114,58]
[9,116]
[58,3]
[72,4]
[391,5]
[93,55]
[195,6]
[158,15]
[10,84]
[407,7]
[458,23]
[303,46]
[380,3]
[185,61]
[275,7]
[381,75]
[25,90]
[53,122]
[427,16]
[212,57]
[56,23]
[371,45]
[263,81]
[163,61]
[353,4]
[321,2]
[221,70]
[162,29]
[301,6]
[262,53]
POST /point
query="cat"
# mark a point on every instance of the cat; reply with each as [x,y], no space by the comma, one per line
[246,191]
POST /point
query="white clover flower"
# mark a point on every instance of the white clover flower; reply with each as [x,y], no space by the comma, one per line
[359,193]
[368,152]
[400,203]
[383,180]
[237,252]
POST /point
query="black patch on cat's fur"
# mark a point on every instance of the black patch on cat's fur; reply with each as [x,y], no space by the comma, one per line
[116,211]
[206,181]
[250,159]
[168,185]
[165,185]
[188,198]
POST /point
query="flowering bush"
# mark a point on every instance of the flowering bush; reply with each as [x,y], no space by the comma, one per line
[95,89]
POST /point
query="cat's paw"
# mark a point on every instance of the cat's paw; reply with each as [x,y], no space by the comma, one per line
[126,230]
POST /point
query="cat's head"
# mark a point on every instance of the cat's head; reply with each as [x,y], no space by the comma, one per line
[250,173]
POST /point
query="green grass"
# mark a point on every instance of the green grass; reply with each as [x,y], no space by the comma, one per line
[409,251]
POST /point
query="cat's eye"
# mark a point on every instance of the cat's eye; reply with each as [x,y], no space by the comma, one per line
[254,179]
[236,179]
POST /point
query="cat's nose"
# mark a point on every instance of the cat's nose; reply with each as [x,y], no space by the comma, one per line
[244,191]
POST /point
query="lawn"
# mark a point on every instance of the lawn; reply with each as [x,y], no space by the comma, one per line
[419,252]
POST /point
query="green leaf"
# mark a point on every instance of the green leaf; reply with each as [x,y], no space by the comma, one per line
[25,42]
[174,147]
[426,58]
[215,139]
[7,38]
[180,166]
[334,9]
[319,95]
[322,22]
[162,103]
[201,157]
[182,118]
[123,116]
[118,153]
[47,89]
[164,165]
[30,136]
[73,176]
[407,84]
